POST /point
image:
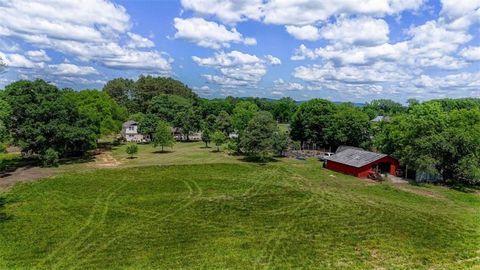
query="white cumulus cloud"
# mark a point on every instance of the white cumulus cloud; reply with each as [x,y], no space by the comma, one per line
[229,11]
[471,53]
[71,69]
[358,31]
[90,30]
[236,68]
[306,32]
[208,34]
[38,56]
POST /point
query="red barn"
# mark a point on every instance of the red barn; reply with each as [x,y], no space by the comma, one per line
[360,163]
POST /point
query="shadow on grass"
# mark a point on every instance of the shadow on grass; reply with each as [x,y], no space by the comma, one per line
[259,160]
[205,147]
[9,166]
[132,158]
[466,189]
[163,152]
[3,215]
[77,160]
[458,187]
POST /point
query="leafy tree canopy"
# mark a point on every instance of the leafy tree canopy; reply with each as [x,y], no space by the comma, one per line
[100,108]
[148,124]
[242,114]
[348,126]
[310,121]
[122,91]
[284,109]
[166,107]
[43,117]
[383,107]
[137,95]
[257,140]
[439,142]
[163,135]
[148,87]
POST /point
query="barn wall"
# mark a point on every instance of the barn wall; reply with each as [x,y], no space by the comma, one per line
[339,167]
[363,171]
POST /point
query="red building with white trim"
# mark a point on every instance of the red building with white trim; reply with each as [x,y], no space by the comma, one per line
[361,163]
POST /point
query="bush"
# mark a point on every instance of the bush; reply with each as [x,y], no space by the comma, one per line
[232,147]
[50,158]
[3,148]
[132,149]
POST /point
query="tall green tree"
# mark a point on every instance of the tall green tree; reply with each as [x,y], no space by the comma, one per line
[163,135]
[215,106]
[42,118]
[148,124]
[101,108]
[224,122]
[218,138]
[432,140]
[188,121]
[348,126]
[311,120]
[281,142]
[122,91]
[383,107]
[148,87]
[166,107]
[206,136]
[242,114]
[284,109]
[257,140]
[5,111]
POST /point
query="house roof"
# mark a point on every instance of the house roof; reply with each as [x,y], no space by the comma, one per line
[129,123]
[355,157]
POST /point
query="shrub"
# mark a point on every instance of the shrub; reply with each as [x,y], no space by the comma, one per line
[50,158]
[132,149]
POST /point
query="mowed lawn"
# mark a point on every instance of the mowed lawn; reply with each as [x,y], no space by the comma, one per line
[286,214]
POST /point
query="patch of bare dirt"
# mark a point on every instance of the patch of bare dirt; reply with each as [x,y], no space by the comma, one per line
[106,160]
[23,174]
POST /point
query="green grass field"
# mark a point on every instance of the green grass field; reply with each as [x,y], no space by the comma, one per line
[286,214]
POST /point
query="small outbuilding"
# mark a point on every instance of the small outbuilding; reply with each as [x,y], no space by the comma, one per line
[361,163]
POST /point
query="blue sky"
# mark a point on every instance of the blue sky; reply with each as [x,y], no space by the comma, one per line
[342,50]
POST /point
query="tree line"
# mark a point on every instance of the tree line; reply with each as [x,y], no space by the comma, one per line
[438,137]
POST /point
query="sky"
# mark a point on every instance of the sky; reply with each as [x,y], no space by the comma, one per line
[341,50]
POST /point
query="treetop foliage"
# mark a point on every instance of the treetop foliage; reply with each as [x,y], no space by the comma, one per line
[44,117]
[437,137]
[136,95]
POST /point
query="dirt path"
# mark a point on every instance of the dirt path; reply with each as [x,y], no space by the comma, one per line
[23,174]
[31,173]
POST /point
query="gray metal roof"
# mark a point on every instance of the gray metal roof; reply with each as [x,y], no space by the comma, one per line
[345,147]
[355,158]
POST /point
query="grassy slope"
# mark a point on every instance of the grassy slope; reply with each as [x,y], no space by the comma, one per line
[285,214]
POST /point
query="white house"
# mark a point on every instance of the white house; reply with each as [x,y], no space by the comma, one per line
[130,133]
